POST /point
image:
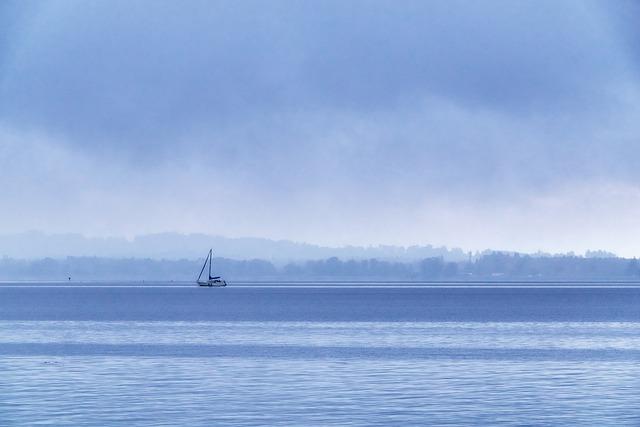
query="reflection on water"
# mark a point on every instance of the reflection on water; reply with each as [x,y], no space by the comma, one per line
[317,372]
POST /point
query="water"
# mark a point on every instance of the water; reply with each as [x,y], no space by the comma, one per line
[321,355]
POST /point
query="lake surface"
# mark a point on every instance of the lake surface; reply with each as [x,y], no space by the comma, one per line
[167,354]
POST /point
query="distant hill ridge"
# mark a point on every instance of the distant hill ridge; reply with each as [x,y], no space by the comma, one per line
[36,244]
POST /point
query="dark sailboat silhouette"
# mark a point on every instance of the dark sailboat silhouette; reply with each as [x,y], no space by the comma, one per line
[216,281]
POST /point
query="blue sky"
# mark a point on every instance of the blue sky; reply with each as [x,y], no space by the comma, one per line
[501,124]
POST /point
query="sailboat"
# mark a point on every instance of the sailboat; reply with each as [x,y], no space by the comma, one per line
[213,280]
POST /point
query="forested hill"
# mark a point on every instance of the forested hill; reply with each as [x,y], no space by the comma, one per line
[36,244]
[493,266]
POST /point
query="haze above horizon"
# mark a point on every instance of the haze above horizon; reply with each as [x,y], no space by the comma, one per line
[506,125]
[38,245]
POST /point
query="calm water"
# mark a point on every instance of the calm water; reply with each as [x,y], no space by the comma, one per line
[324,355]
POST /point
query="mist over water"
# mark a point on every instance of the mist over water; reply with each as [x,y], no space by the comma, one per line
[334,141]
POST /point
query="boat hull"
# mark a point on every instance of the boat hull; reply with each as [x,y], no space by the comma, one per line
[213,283]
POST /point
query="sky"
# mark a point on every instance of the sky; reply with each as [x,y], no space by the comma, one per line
[495,124]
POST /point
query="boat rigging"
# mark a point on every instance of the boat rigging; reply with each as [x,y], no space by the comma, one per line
[213,281]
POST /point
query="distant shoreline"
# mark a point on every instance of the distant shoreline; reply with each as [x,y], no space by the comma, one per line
[327,284]
[498,268]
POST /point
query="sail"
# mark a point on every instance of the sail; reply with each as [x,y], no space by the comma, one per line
[210,261]
[213,280]
[204,265]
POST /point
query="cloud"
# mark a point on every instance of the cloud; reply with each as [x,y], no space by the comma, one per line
[135,74]
[333,122]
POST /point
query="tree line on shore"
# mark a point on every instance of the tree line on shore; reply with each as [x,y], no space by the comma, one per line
[491,266]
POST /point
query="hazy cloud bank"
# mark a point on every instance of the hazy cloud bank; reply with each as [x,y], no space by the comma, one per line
[502,124]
